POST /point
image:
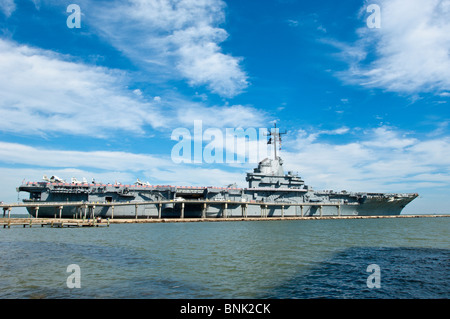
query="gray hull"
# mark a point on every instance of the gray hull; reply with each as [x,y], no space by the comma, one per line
[191,209]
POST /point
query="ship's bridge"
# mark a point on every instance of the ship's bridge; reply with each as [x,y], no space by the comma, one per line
[269,173]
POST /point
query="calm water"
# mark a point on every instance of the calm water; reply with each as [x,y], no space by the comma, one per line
[259,259]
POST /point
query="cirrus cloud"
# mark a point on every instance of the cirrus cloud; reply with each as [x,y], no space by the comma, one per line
[174,38]
[408,54]
[42,92]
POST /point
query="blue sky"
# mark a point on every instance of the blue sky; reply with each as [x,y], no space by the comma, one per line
[366,109]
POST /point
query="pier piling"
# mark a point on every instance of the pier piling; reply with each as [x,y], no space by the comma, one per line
[205,207]
[182,209]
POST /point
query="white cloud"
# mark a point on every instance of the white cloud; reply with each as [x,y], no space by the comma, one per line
[13,177]
[322,28]
[222,116]
[411,48]
[384,137]
[292,22]
[104,166]
[68,163]
[361,164]
[45,93]
[14,153]
[42,92]
[379,160]
[7,7]
[196,175]
[302,134]
[174,39]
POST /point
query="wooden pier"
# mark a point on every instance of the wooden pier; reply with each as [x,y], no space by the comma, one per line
[68,223]
[53,223]
[86,217]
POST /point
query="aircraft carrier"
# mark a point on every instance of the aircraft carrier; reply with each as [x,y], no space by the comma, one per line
[270,192]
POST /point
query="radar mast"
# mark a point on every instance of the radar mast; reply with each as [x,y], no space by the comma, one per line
[275,135]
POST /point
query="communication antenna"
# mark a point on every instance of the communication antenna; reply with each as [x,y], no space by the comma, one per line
[275,135]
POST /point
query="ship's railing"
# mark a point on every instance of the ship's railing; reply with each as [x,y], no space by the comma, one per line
[131,203]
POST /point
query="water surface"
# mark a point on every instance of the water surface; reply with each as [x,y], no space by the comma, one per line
[242,259]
